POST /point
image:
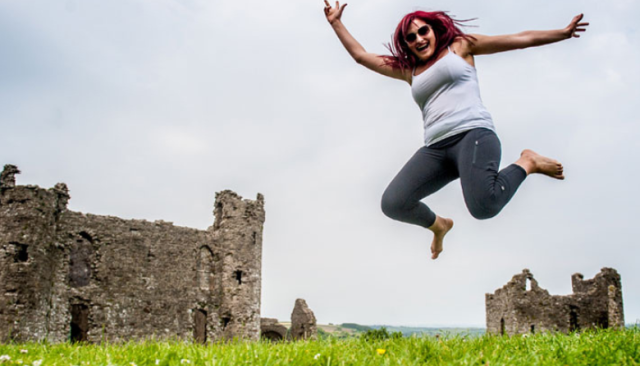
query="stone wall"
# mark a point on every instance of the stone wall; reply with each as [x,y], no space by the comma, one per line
[65,275]
[521,306]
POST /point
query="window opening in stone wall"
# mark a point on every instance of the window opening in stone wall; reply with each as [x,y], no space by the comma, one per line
[80,258]
[86,236]
[205,269]
[533,328]
[255,238]
[573,319]
[502,326]
[200,326]
[225,321]
[528,285]
[79,323]
[238,275]
[217,212]
[21,253]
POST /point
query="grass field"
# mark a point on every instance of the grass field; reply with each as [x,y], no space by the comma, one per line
[605,347]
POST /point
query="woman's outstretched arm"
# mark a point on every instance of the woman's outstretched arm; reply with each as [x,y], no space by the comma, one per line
[370,60]
[484,45]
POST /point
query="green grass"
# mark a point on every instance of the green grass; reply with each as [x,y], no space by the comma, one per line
[605,347]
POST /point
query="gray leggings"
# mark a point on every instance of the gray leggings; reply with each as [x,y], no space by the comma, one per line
[472,156]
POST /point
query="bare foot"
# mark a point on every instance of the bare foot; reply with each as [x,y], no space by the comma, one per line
[440,228]
[533,162]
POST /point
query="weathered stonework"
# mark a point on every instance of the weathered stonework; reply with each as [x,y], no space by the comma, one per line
[595,303]
[65,275]
[303,322]
[273,331]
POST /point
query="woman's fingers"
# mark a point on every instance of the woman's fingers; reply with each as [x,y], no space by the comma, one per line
[327,8]
[576,26]
[340,9]
[333,12]
[577,19]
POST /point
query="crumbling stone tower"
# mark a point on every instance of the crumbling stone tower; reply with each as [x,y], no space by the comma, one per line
[303,321]
[65,275]
[517,309]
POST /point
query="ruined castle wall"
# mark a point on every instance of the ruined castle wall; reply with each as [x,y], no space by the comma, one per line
[238,225]
[601,298]
[27,256]
[137,279]
[66,276]
[596,303]
[510,310]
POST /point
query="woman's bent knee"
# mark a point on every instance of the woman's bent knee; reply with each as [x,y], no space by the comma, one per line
[483,215]
[391,206]
[483,212]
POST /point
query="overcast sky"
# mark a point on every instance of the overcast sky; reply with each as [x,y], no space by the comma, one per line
[147,108]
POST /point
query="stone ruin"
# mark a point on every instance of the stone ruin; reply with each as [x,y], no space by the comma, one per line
[303,322]
[66,275]
[518,308]
[303,325]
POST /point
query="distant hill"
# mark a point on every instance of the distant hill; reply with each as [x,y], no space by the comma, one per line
[356,327]
[433,331]
[352,329]
[347,330]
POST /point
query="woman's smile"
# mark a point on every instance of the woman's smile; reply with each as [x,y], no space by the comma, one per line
[422,47]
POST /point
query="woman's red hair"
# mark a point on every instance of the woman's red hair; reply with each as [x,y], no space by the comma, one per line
[444,27]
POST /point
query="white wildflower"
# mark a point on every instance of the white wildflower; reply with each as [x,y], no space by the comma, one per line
[37,363]
[5,358]
[157,362]
[317,356]
[133,364]
[24,351]
[185,361]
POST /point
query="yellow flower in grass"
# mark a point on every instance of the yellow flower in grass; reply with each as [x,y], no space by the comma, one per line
[381,351]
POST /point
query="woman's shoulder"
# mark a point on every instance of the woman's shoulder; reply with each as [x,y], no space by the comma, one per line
[461,45]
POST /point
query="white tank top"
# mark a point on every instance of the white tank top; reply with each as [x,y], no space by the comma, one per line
[449,97]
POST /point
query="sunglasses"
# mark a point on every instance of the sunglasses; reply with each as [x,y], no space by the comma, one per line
[422,31]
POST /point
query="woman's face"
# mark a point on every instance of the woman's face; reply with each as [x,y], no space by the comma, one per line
[420,40]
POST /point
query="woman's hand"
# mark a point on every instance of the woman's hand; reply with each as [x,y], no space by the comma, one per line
[575,26]
[333,14]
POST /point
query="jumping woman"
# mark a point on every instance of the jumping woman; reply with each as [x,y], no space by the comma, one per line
[436,58]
